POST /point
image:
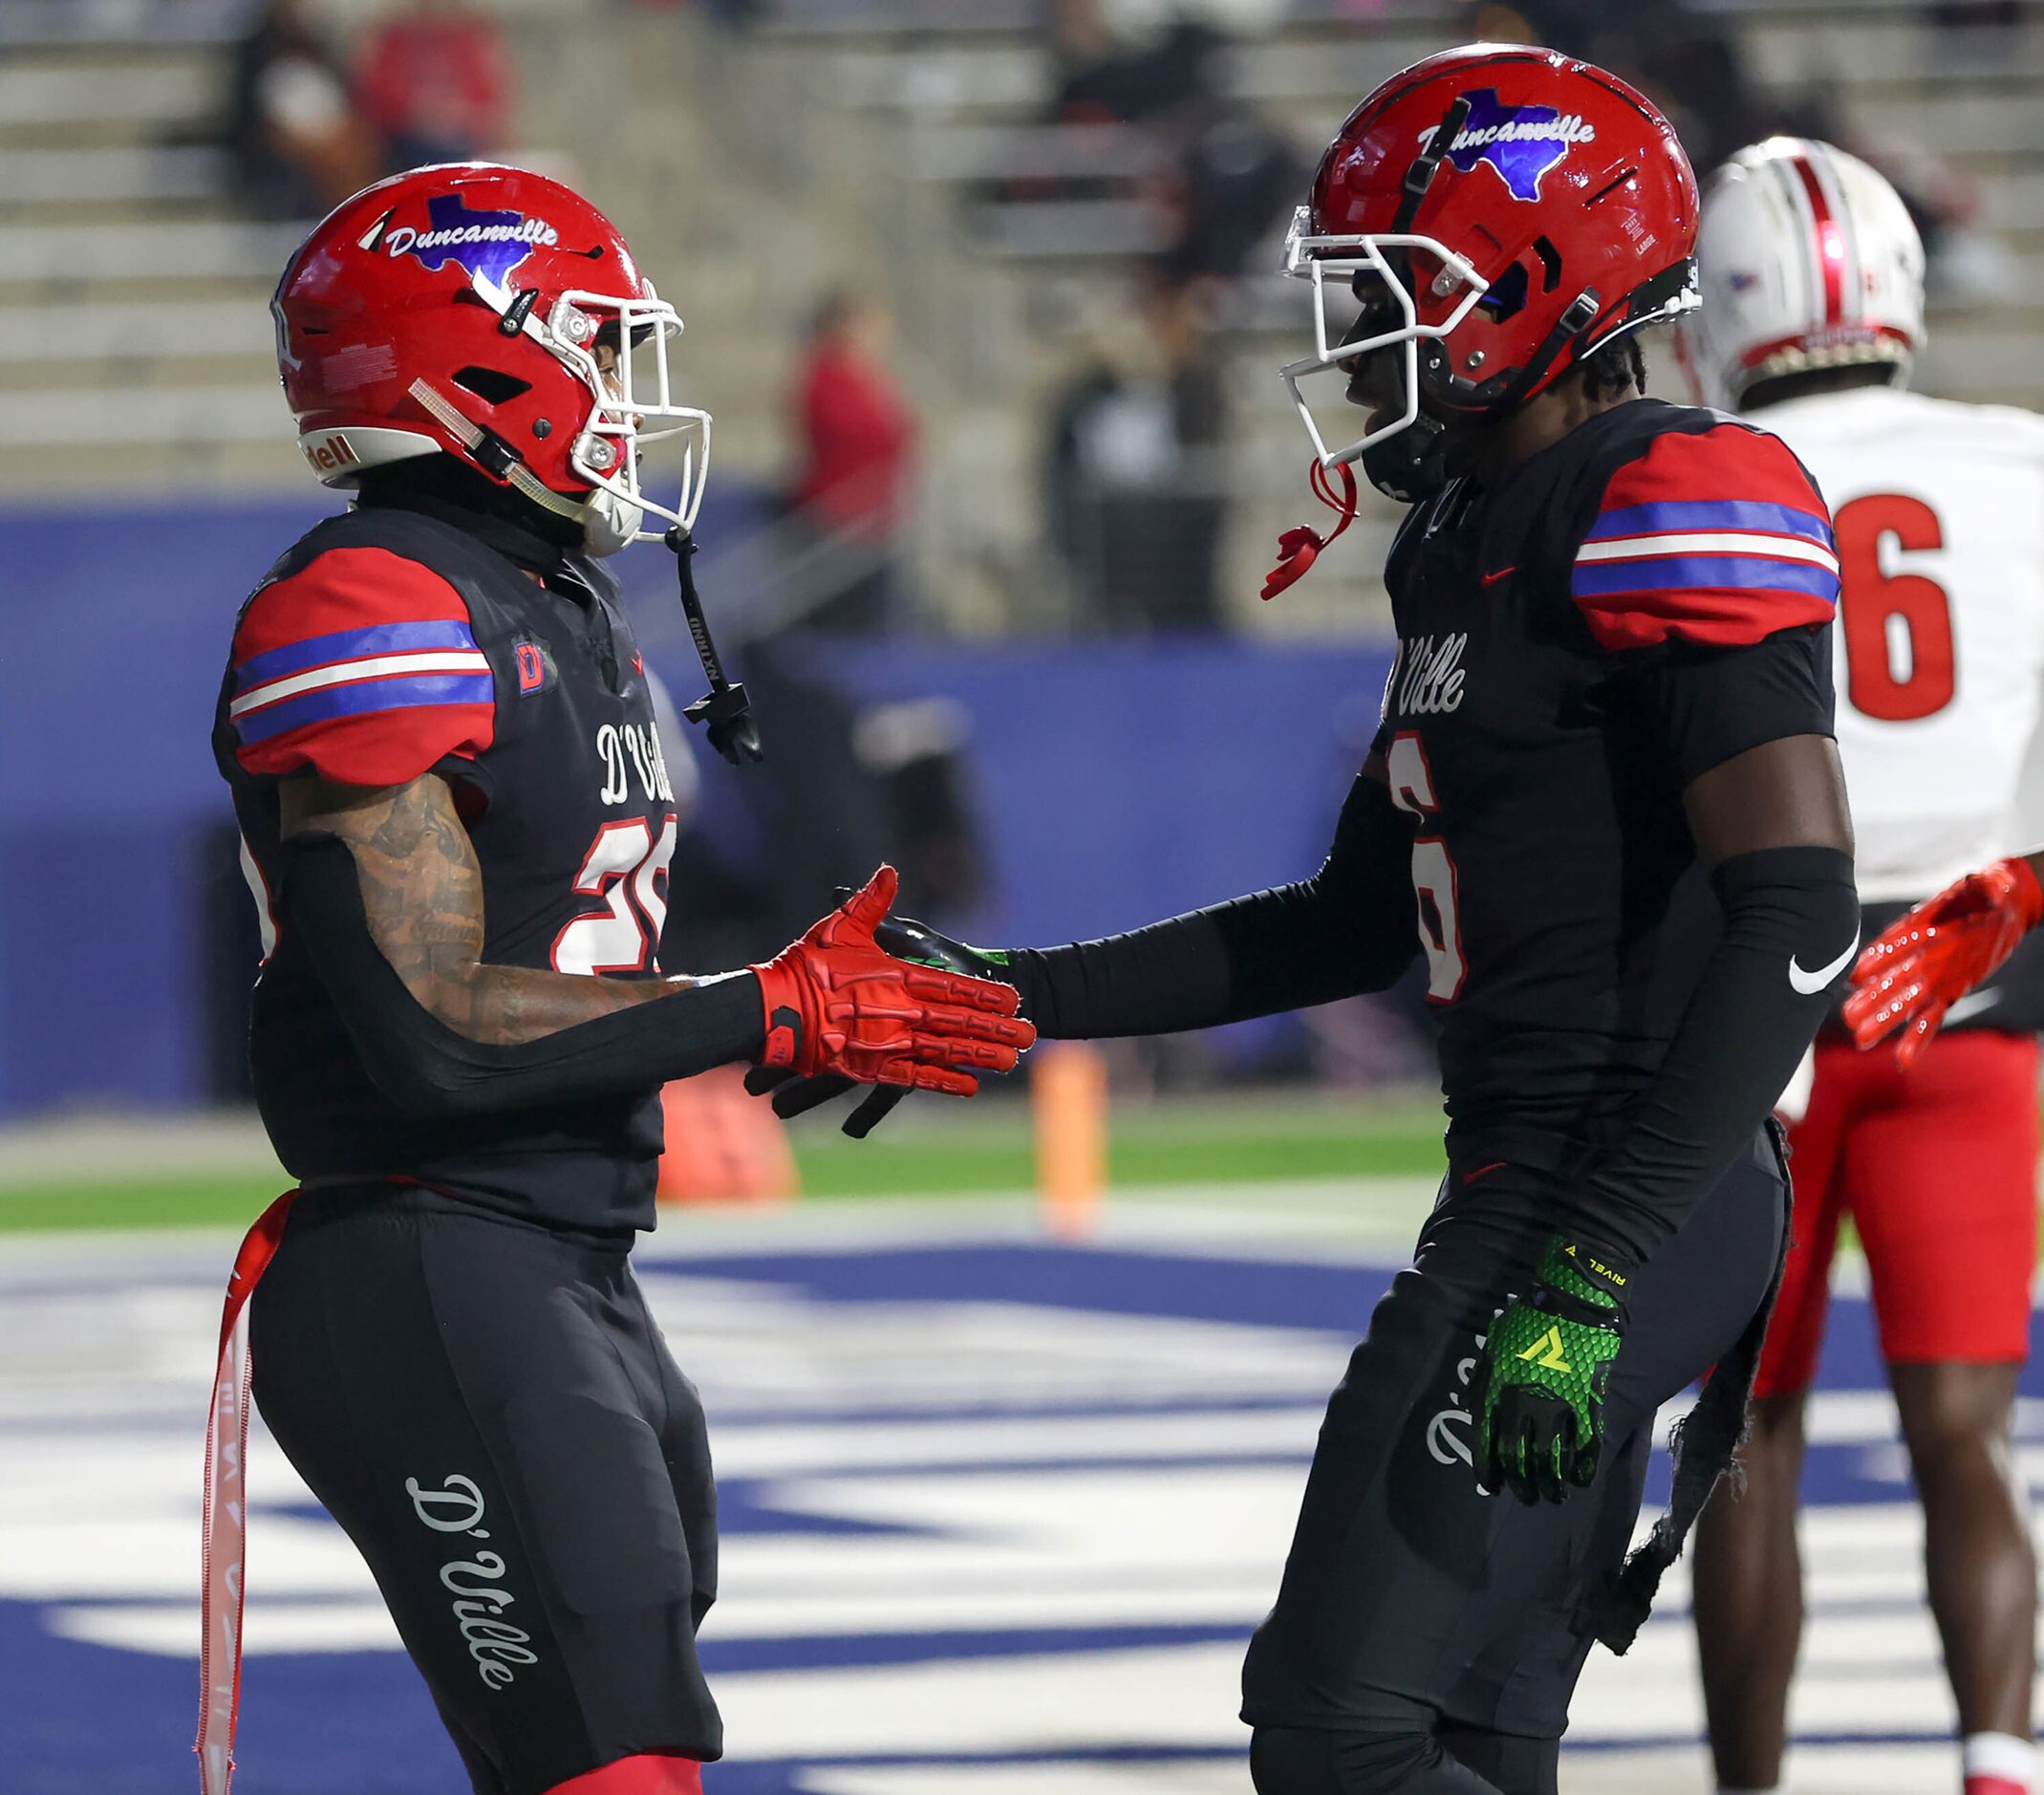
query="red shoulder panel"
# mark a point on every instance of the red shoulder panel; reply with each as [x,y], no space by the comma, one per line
[1715,537]
[361,666]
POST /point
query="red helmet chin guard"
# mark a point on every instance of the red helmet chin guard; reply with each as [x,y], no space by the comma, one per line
[461,308]
[1500,212]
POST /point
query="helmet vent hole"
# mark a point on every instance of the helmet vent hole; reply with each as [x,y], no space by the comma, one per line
[1550,264]
[1611,188]
[490,386]
[1507,294]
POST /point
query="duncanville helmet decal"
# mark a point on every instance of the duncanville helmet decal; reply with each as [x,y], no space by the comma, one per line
[490,243]
[1521,142]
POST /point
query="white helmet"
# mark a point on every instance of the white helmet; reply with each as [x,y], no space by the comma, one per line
[1809,260]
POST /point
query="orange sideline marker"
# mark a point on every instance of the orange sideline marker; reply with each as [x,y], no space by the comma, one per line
[1068,1089]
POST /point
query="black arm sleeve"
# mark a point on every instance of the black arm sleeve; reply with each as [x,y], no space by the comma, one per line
[427,1068]
[1351,927]
[1791,914]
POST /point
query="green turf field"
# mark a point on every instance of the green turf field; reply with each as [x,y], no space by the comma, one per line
[1236,1140]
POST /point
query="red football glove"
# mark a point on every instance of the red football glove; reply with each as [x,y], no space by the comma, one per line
[836,1003]
[1916,969]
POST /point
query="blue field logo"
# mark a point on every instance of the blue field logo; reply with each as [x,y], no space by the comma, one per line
[489,244]
[1521,142]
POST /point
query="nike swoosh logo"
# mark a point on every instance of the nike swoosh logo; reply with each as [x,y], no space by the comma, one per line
[1972,1005]
[1810,983]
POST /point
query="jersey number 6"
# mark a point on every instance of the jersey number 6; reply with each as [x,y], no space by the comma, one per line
[627,868]
[1433,870]
[1898,626]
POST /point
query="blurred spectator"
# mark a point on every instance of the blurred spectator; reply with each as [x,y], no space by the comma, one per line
[1690,62]
[857,439]
[1134,485]
[920,752]
[436,79]
[1079,40]
[1228,173]
[1963,13]
[299,145]
[1233,179]
[1688,58]
[1104,82]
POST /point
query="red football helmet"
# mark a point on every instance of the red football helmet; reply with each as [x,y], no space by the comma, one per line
[461,308]
[1500,212]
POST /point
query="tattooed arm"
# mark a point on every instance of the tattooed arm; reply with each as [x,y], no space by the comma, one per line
[383,890]
[423,896]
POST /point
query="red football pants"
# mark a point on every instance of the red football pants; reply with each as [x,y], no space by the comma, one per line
[1937,1167]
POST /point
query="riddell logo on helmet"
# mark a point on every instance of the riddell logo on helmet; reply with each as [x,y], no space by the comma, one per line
[1521,142]
[329,452]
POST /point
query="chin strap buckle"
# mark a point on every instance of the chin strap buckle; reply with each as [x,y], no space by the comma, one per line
[1300,546]
[724,709]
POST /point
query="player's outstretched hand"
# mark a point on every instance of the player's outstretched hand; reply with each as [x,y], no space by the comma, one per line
[838,1004]
[906,939]
[1920,967]
[1541,1381]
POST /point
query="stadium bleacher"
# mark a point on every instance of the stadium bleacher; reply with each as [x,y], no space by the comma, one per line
[132,294]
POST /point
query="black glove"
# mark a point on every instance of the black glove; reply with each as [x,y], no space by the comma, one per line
[906,939]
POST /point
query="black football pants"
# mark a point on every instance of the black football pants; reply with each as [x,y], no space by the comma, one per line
[1425,1639]
[491,1414]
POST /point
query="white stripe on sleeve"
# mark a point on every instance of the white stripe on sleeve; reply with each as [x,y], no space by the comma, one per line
[370,667]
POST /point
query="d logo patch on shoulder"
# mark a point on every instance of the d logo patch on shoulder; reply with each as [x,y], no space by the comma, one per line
[535,671]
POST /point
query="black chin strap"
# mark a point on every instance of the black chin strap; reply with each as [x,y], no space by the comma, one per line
[1419,177]
[724,710]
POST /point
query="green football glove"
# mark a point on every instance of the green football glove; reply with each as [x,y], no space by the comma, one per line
[1546,1368]
[906,939]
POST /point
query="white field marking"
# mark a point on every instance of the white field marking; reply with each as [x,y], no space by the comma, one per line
[826,1356]
[99,1519]
[1827,1770]
[1365,1220]
[1812,1770]
[1169,1777]
[1183,1696]
[782,1451]
[1186,1695]
[270,1629]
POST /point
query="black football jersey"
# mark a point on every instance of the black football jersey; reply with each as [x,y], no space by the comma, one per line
[1634,605]
[386,645]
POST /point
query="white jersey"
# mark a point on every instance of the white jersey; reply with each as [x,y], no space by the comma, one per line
[1939,514]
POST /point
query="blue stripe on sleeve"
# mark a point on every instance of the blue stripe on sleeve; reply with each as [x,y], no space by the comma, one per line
[1687,514]
[1703,573]
[331,703]
[382,639]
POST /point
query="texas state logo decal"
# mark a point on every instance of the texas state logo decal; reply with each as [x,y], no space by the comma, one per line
[487,243]
[1521,142]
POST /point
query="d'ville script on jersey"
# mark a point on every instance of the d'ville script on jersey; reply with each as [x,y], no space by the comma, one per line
[1426,675]
[639,745]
